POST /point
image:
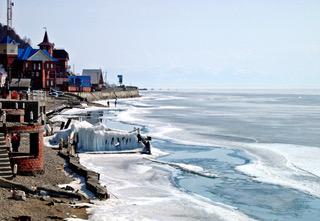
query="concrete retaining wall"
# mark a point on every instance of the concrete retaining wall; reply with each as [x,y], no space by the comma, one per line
[127,92]
[92,178]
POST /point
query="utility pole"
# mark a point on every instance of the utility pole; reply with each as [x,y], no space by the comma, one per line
[10,5]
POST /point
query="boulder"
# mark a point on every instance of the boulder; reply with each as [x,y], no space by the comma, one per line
[19,195]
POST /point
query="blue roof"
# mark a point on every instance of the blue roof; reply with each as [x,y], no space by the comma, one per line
[7,40]
[79,81]
[25,53]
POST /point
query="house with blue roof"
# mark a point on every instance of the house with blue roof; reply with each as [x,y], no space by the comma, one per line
[47,67]
[8,54]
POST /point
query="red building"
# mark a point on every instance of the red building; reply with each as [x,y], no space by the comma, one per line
[47,67]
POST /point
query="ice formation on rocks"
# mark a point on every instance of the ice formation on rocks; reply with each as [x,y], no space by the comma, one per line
[97,138]
[100,138]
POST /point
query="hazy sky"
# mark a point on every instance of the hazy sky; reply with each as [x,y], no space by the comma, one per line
[183,43]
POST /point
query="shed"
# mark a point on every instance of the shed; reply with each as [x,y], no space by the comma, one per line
[79,83]
[96,77]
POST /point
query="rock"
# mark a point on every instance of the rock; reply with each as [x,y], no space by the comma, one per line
[22,218]
[43,193]
[50,204]
[45,198]
[57,200]
[81,206]
[69,188]
[19,195]
[73,216]
[57,192]
[55,217]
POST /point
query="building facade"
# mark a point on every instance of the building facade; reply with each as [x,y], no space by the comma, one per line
[47,67]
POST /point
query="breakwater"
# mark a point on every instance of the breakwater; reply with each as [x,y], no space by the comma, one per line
[109,93]
[92,179]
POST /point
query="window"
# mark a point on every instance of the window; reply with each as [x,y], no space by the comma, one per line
[51,65]
[37,74]
[26,65]
[51,83]
[47,65]
[39,66]
[34,66]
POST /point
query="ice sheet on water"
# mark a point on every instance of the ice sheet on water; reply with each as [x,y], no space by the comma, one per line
[142,191]
[288,165]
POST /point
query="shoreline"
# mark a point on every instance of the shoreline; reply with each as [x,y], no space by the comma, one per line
[139,187]
[56,173]
[113,206]
[145,191]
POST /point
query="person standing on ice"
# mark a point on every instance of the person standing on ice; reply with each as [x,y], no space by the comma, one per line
[115,102]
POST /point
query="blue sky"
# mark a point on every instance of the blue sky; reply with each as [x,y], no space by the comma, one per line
[184,43]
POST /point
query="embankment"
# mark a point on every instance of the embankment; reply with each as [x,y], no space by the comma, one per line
[110,93]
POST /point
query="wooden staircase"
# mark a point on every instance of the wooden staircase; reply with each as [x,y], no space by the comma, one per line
[5,167]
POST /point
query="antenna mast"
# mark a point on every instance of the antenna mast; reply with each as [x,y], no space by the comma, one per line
[10,5]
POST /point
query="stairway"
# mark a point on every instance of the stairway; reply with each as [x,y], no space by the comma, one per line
[5,167]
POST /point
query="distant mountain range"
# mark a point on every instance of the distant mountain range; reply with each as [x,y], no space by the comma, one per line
[23,42]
